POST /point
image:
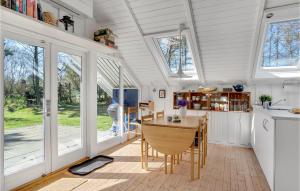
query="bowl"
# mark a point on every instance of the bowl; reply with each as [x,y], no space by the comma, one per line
[197,106]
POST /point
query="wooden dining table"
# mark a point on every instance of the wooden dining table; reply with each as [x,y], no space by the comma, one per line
[173,138]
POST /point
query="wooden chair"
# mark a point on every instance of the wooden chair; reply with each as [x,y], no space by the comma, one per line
[144,145]
[147,118]
[160,114]
[204,138]
[201,148]
[130,111]
[170,141]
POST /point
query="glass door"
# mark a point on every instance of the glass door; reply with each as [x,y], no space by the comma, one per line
[25,89]
[108,107]
[68,127]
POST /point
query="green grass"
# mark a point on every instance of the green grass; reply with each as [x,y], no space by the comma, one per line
[69,115]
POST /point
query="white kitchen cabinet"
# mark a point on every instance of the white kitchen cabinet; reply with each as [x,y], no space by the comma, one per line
[234,124]
[231,128]
[218,127]
[265,147]
[277,148]
[244,129]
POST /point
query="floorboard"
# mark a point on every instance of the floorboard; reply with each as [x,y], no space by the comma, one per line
[228,169]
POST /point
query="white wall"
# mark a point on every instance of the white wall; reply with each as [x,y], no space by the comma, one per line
[291,93]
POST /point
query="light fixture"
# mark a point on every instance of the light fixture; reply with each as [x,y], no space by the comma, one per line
[180,73]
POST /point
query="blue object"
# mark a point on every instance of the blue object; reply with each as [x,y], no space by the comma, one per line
[131,97]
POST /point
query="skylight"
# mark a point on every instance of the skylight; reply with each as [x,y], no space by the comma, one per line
[169,48]
[282,45]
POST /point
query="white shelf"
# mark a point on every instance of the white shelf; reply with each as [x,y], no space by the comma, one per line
[13,21]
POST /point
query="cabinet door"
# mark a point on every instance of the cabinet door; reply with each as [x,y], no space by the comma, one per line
[267,155]
[210,128]
[233,128]
[219,126]
[245,130]
[258,139]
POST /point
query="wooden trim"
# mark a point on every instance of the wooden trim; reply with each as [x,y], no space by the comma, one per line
[38,181]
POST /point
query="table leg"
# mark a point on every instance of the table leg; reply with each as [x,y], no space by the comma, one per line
[172,159]
[166,164]
[146,156]
[142,150]
[199,154]
[192,161]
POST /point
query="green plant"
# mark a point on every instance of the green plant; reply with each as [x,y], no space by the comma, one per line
[264,98]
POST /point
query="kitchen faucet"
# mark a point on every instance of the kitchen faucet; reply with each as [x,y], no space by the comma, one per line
[277,102]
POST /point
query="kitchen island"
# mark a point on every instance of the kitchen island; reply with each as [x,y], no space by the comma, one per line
[275,136]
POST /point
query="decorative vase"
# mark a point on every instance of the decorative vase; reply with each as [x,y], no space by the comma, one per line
[182,111]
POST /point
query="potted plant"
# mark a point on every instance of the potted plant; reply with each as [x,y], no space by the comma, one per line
[265,99]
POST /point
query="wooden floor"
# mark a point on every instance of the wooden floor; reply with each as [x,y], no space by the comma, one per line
[228,168]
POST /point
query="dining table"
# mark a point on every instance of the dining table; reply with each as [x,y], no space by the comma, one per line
[173,138]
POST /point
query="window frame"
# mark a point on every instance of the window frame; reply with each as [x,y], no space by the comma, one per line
[281,14]
[152,40]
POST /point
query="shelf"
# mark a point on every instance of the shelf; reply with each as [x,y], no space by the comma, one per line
[240,100]
[16,22]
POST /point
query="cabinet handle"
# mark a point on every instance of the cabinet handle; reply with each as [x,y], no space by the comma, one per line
[264,125]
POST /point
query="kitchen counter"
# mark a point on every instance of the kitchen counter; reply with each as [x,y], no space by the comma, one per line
[278,114]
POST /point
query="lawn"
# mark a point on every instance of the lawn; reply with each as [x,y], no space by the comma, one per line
[68,116]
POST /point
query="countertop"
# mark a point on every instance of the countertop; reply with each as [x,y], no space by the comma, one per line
[278,114]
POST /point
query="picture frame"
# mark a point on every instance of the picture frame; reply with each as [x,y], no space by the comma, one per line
[162,93]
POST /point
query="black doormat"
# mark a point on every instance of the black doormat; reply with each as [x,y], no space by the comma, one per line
[90,165]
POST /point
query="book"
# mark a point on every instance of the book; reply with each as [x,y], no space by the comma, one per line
[13,4]
[17,5]
[20,6]
[24,6]
[3,2]
[31,8]
[8,4]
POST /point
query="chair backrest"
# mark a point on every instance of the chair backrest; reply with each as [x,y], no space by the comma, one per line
[160,114]
[132,110]
[169,140]
[204,121]
[147,117]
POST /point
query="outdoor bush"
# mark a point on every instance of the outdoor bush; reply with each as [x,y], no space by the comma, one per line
[14,103]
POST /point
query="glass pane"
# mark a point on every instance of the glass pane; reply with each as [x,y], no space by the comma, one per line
[69,82]
[170,48]
[23,106]
[282,44]
[108,77]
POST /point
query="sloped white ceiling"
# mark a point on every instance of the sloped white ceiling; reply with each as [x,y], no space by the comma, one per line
[225,31]
[114,15]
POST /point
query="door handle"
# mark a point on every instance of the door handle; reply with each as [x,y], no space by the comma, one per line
[48,108]
[264,125]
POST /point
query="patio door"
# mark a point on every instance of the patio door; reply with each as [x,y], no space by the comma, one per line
[68,104]
[25,70]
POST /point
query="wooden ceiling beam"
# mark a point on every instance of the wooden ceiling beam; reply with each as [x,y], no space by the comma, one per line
[191,24]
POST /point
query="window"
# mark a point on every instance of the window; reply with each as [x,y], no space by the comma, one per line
[168,47]
[282,44]
[278,55]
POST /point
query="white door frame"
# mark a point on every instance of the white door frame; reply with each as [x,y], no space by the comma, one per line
[68,158]
[33,172]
